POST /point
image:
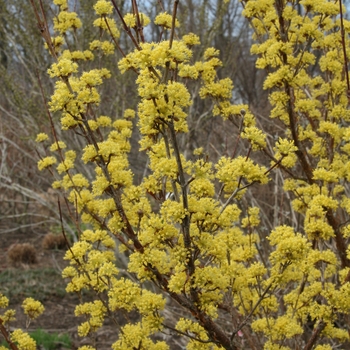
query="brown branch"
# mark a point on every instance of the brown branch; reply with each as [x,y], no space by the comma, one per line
[339,239]
[43,26]
[187,335]
[173,22]
[186,221]
[217,335]
[52,125]
[6,335]
[245,321]
[301,153]
[240,129]
[139,23]
[293,127]
[125,27]
[344,47]
[315,334]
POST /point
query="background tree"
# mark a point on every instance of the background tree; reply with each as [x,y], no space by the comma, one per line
[28,201]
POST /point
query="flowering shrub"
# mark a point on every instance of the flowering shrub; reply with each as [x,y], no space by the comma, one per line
[18,339]
[201,246]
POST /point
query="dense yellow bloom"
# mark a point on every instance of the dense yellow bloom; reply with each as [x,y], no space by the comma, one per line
[103,7]
[41,137]
[282,327]
[108,25]
[132,335]
[191,39]
[210,53]
[230,170]
[107,47]
[323,347]
[129,113]
[57,146]
[46,162]
[255,136]
[8,316]
[61,3]
[222,88]
[57,43]
[32,308]
[131,20]
[66,21]
[4,302]
[96,312]
[63,68]
[290,246]
[252,220]
[24,341]
[165,20]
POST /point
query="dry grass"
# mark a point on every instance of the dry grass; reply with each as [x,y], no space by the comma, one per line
[52,241]
[22,253]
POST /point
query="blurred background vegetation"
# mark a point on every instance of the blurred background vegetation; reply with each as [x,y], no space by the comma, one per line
[27,201]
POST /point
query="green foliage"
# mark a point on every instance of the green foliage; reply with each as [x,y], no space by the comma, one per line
[50,341]
[40,284]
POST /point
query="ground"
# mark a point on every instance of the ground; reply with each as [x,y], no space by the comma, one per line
[43,282]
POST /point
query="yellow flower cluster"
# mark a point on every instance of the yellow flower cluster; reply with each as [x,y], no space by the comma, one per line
[165,20]
[108,25]
[96,311]
[32,308]
[231,171]
[24,341]
[131,20]
[66,20]
[41,137]
[4,302]
[103,7]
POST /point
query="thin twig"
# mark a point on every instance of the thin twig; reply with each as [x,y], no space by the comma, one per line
[251,312]
[139,23]
[172,33]
[315,334]
[7,337]
[125,26]
[344,47]
[188,335]
[43,26]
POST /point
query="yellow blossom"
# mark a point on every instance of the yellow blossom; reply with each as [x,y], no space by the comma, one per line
[32,308]
[108,25]
[46,162]
[8,316]
[103,7]
[4,302]
[57,146]
[24,341]
[131,20]
[165,20]
[41,137]
[191,39]
[255,136]
[66,21]
[210,53]
[63,68]
[61,3]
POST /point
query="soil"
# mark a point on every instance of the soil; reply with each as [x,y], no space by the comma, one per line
[42,281]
